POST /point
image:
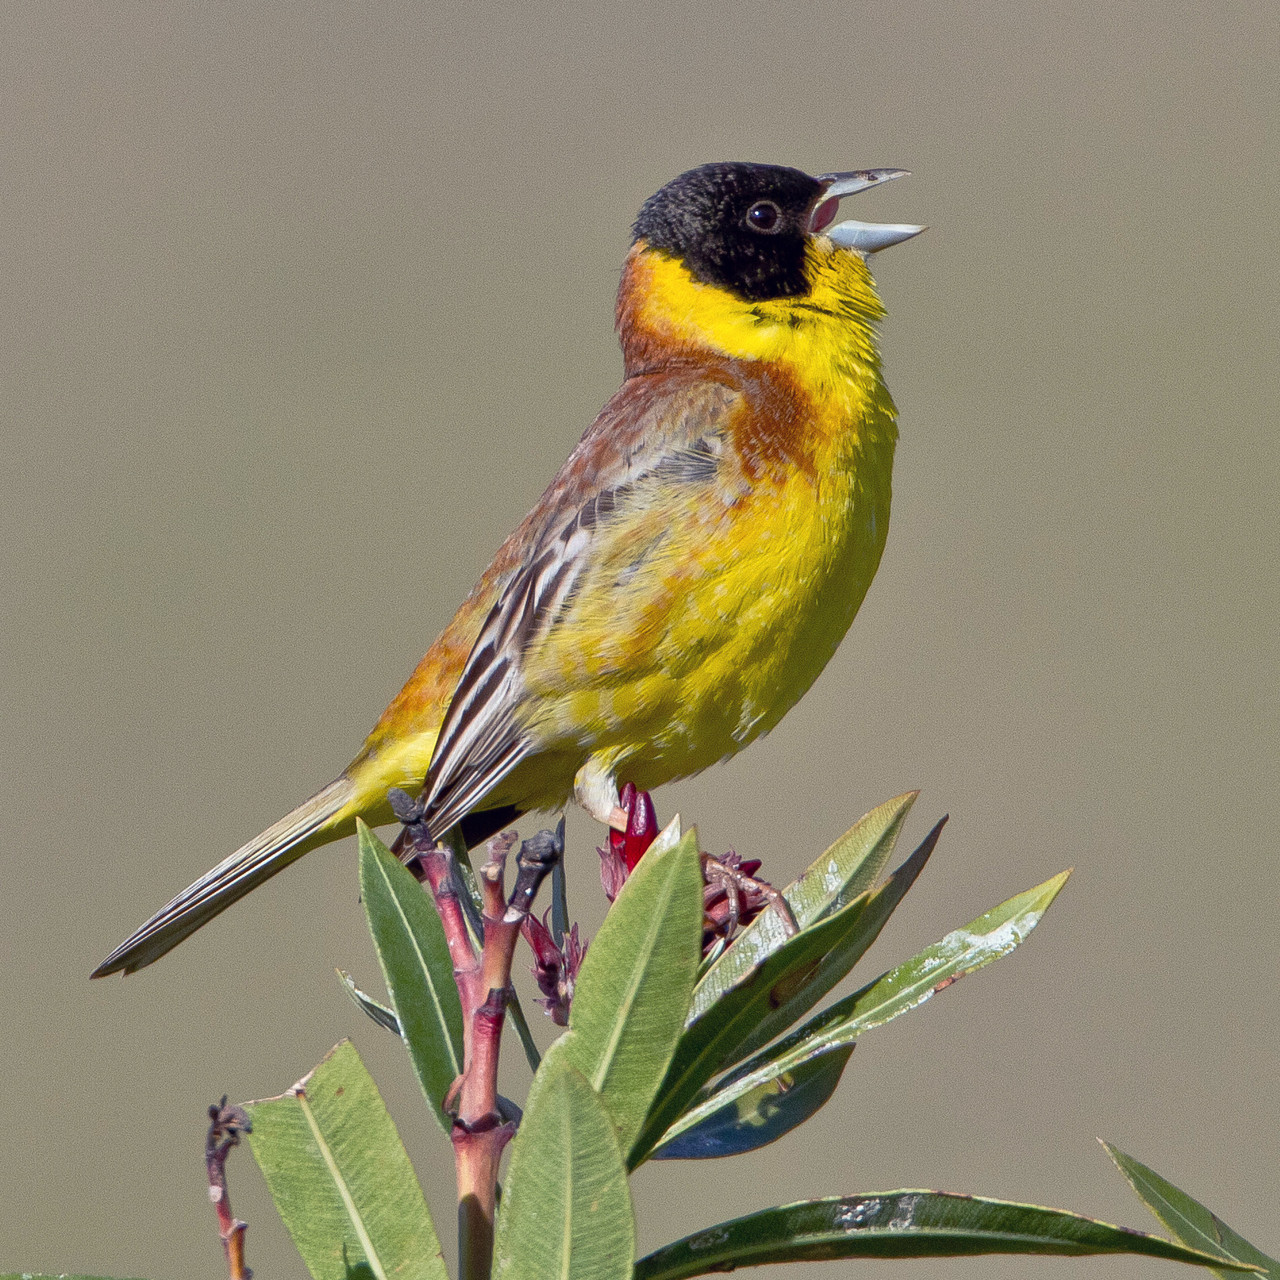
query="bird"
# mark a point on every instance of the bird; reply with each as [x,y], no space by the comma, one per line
[690,569]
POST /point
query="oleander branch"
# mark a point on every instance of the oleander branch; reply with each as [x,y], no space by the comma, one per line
[480,1132]
[226,1124]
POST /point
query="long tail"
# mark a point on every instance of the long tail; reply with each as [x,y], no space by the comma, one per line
[328,815]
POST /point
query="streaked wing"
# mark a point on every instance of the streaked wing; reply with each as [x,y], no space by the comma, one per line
[639,444]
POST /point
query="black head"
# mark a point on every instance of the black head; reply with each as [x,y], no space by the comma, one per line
[742,227]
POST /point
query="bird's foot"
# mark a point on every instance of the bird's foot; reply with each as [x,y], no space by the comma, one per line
[596,791]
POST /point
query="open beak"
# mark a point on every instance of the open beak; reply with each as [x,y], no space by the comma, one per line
[862,237]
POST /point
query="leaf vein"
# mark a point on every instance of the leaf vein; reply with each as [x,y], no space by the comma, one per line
[366,1243]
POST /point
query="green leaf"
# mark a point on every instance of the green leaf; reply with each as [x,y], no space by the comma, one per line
[788,1005]
[757,1117]
[566,1210]
[711,1043]
[785,984]
[985,939]
[850,867]
[1188,1219]
[633,990]
[414,955]
[384,1017]
[515,1015]
[898,1224]
[855,862]
[340,1178]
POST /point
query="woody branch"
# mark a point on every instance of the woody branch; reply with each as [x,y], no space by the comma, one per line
[480,1132]
[226,1124]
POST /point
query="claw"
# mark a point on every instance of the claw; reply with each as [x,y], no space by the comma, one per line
[595,790]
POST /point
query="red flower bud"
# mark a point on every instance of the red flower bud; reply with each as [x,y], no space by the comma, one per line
[642,827]
[555,969]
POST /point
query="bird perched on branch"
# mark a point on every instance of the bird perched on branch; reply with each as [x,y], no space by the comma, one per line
[689,571]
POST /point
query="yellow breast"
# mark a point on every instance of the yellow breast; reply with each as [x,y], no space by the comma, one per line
[729,626]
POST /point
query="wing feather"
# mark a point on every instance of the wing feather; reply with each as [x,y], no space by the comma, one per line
[637,445]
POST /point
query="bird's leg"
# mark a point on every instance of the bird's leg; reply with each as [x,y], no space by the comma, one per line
[630,816]
[596,791]
[624,848]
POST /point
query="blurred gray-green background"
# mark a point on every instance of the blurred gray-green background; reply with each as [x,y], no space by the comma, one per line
[302,306]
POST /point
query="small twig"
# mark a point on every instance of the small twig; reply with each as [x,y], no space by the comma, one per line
[226,1124]
[537,857]
[521,1024]
[468,885]
[493,891]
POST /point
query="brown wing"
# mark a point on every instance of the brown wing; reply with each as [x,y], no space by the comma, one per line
[667,428]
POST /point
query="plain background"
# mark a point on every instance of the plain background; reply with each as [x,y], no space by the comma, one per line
[303,304]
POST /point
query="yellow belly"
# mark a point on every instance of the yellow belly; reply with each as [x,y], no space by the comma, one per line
[731,624]
[705,617]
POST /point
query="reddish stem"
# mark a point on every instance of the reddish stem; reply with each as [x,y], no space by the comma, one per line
[479,1132]
[226,1124]
[479,1136]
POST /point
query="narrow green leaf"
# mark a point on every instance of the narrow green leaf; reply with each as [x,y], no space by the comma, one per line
[340,1178]
[757,1117]
[898,1224]
[383,1016]
[791,978]
[515,1014]
[710,1044]
[414,956]
[559,893]
[855,862]
[633,990]
[985,939]
[1188,1219]
[850,867]
[791,1003]
[566,1209]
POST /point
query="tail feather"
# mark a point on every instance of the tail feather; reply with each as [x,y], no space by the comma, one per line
[316,821]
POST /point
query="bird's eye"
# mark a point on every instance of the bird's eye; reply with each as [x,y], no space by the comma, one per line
[764,215]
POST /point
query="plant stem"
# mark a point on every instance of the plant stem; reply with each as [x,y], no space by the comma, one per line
[479,1132]
[479,1136]
[226,1124]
